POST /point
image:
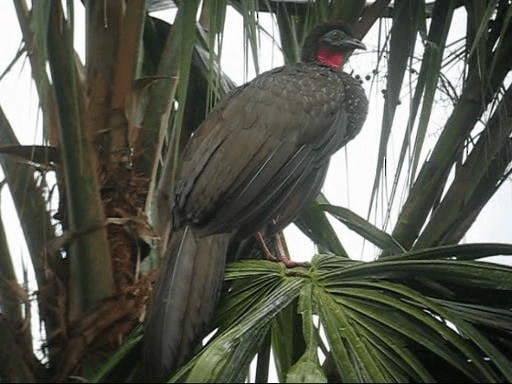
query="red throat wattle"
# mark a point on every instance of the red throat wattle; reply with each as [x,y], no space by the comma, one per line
[330,57]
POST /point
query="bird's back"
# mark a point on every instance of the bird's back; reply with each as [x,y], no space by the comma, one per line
[268,141]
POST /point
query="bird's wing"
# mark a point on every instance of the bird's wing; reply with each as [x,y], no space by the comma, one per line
[259,145]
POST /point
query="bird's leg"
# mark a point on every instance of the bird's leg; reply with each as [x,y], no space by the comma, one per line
[282,254]
[264,247]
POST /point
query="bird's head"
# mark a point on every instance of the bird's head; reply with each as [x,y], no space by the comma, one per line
[330,43]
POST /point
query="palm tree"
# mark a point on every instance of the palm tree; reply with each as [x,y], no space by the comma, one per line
[428,308]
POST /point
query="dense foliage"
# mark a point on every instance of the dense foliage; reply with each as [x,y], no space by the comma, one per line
[428,308]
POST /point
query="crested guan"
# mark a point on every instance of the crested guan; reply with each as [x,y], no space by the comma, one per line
[259,157]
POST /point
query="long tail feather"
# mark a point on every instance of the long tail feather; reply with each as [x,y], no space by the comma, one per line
[184,300]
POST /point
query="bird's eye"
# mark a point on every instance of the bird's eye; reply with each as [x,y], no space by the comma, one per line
[335,34]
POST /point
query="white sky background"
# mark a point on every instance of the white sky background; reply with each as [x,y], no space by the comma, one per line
[18,99]
[350,177]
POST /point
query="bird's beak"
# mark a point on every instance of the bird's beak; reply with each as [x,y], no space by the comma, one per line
[353,43]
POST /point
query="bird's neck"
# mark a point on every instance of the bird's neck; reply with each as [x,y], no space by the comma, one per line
[330,57]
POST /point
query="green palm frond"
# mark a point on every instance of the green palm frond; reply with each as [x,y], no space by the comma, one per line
[379,321]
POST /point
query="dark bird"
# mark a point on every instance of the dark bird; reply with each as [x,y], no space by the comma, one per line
[259,157]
